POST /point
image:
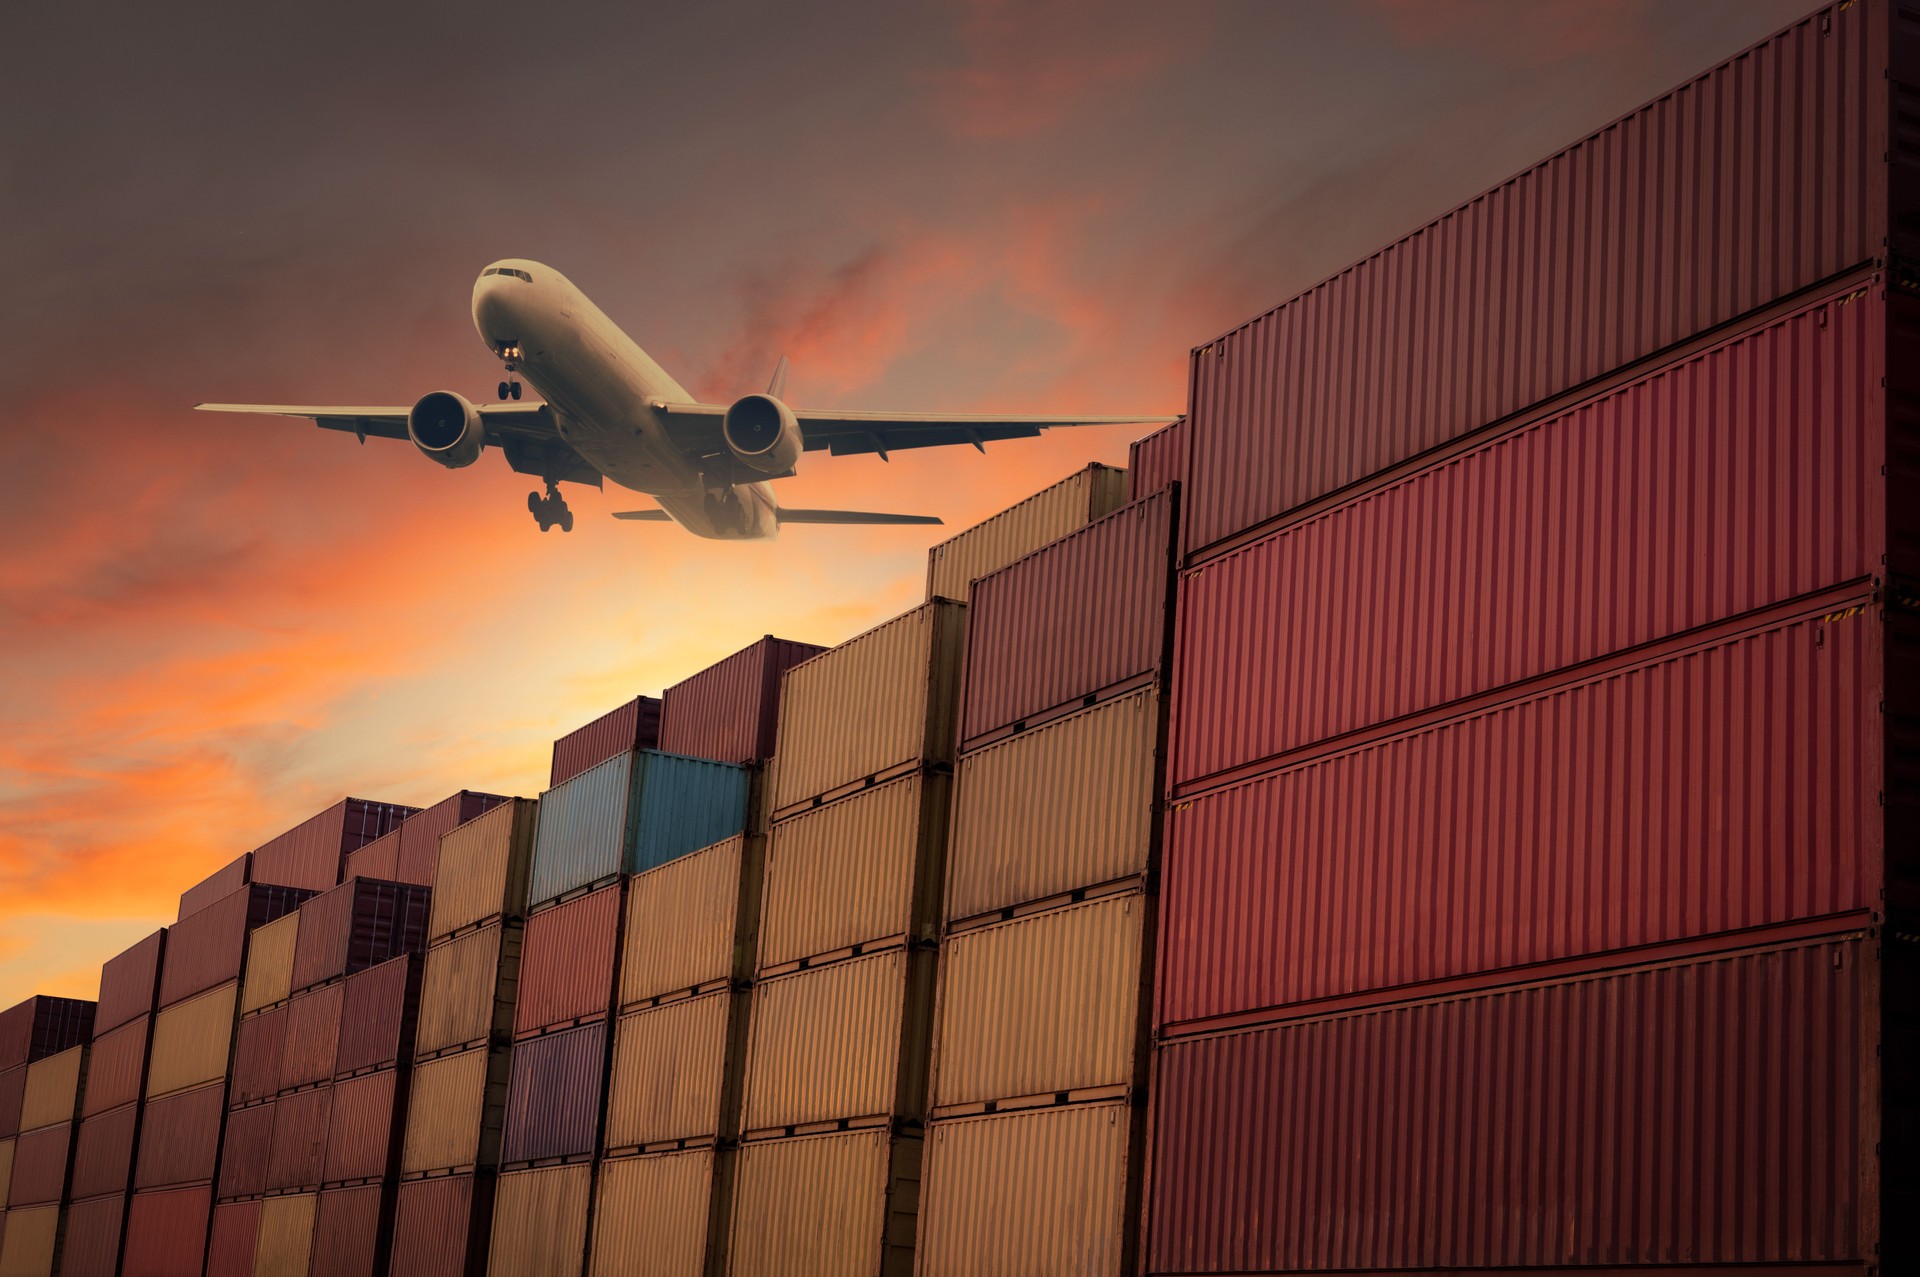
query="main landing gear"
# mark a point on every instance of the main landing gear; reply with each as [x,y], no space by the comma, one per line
[550,509]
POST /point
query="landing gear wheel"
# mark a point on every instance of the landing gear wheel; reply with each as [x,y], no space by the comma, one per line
[550,509]
[513,388]
[505,390]
[566,520]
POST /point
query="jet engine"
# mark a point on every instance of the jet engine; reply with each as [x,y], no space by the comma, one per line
[763,434]
[447,428]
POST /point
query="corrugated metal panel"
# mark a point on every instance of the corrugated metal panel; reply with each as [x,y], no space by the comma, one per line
[222,882]
[40,1166]
[669,1068]
[313,1036]
[481,871]
[1044,1003]
[440,1226]
[1698,1113]
[879,702]
[357,925]
[180,1138]
[361,1130]
[729,710]
[91,1247]
[234,1237]
[347,1220]
[6,1168]
[244,1151]
[540,1222]
[1047,515]
[635,725]
[567,963]
[826,1206]
[129,982]
[1729,786]
[29,1240]
[378,859]
[420,834]
[553,1100]
[1733,480]
[259,1056]
[1065,805]
[651,1215]
[191,1041]
[311,853]
[210,947]
[377,1013]
[298,1155]
[1158,459]
[13,1089]
[116,1068]
[1739,187]
[41,1026]
[53,1088]
[853,870]
[468,991]
[1085,614]
[682,923]
[103,1152]
[167,1232]
[452,1101]
[286,1236]
[269,977]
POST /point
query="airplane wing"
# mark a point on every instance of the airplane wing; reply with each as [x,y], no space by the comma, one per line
[525,432]
[696,427]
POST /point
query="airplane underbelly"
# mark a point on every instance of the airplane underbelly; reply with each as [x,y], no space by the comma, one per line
[607,422]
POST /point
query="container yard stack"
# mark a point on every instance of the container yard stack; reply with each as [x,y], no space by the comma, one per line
[1158,459]
[1036,1114]
[835,1078]
[254,1082]
[634,725]
[407,853]
[1089,493]
[43,1044]
[1538,716]
[729,712]
[309,855]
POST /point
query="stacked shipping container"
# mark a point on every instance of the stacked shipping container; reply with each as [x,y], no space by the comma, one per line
[1083,496]
[43,1047]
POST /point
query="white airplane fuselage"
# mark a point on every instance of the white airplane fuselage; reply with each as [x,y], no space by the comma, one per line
[602,388]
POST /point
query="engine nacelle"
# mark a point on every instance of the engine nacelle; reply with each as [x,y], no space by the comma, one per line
[763,434]
[447,428]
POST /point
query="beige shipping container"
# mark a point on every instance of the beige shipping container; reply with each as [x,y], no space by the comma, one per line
[670,1071]
[1042,1004]
[658,1215]
[1046,516]
[847,1040]
[269,977]
[28,1236]
[53,1089]
[1056,808]
[480,870]
[285,1245]
[454,1111]
[191,1040]
[873,707]
[838,1205]
[684,926]
[467,988]
[1040,1192]
[860,868]
[540,1222]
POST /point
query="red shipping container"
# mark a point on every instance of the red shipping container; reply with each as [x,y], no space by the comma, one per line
[356,925]
[90,1247]
[1724,785]
[360,1134]
[420,834]
[235,1233]
[1084,616]
[311,853]
[116,1067]
[313,1036]
[350,1221]
[43,1026]
[129,984]
[244,1150]
[210,947]
[218,885]
[728,711]
[40,1163]
[180,1138]
[441,1226]
[567,961]
[1702,1112]
[1158,459]
[297,1154]
[1733,480]
[377,1016]
[635,725]
[553,1099]
[378,859]
[103,1152]
[13,1090]
[167,1232]
[259,1056]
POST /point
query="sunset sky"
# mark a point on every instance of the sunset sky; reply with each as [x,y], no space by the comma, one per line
[213,627]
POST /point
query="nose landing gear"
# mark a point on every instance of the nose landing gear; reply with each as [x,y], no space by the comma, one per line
[550,509]
[510,353]
[510,390]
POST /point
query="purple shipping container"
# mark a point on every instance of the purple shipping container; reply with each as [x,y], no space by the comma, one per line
[441,1226]
[420,834]
[310,854]
[41,1160]
[1086,615]
[297,1153]
[233,1239]
[218,885]
[90,1247]
[116,1067]
[553,1100]
[129,984]
[167,1233]
[378,859]
[210,947]
[351,1222]
[43,1026]
[360,1134]
[103,1152]
[13,1090]
[259,1056]
[180,1137]
[728,711]
[356,925]
[1710,1111]
[1158,459]
[377,1016]
[244,1151]
[313,1036]
[567,961]
[635,725]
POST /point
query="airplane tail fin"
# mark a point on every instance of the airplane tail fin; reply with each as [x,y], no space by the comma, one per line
[850,516]
[779,383]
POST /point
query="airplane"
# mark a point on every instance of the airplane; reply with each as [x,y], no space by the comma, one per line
[611,412]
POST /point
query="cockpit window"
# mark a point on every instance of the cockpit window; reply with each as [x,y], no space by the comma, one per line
[506,270]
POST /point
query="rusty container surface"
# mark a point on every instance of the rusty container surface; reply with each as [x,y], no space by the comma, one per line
[656,1215]
[1049,514]
[377,1016]
[567,961]
[41,1160]
[351,1227]
[878,705]
[41,1026]
[91,1246]
[420,833]
[180,1138]
[469,987]
[441,1225]
[269,977]
[456,1106]
[684,923]
[378,859]
[1731,1088]
[29,1240]
[129,983]
[210,946]
[13,1089]
[167,1232]
[116,1067]
[635,725]
[356,925]
[840,1205]
[259,1056]
[244,1150]
[540,1222]
[53,1088]
[286,1236]
[222,882]
[1726,784]
[312,853]
[361,1130]
[670,1071]
[313,1036]
[859,869]
[1056,808]
[233,1239]
[103,1150]
[297,1155]
[192,1041]
[554,1096]
[730,710]
[481,871]
[1155,460]
[6,1167]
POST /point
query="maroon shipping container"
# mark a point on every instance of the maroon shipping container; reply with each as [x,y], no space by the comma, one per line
[259,1056]
[129,984]
[313,1036]
[244,1151]
[553,1099]
[377,1016]
[1709,1111]
[1158,459]
[378,859]
[360,1134]
[356,925]
[635,725]
[420,835]
[167,1232]
[441,1226]
[567,961]
[13,1090]
[103,1152]
[310,854]
[43,1026]
[728,711]
[1084,616]
[180,1137]
[210,947]
[1736,479]
[350,1222]
[297,1154]
[1731,781]
[90,1246]
[218,885]
[116,1071]
[233,1238]
[40,1162]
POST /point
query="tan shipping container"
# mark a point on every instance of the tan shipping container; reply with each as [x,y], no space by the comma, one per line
[658,1215]
[670,1071]
[540,1222]
[1042,1004]
[6,1169]
[858,869]
[269,977]
[847,1040]
[28,1236]
[467,988]
[285,1245]
[1040,1192]
[53,1089]
[480,870]
[838,1205]
[685,927]
[191,1041]
[455,1110]
[1062,806]
[1049,514]
[873,707]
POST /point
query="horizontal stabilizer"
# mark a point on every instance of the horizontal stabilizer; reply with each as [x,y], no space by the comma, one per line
[849,516]
[644,516]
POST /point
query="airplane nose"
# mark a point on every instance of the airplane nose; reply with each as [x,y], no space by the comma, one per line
[491,308]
